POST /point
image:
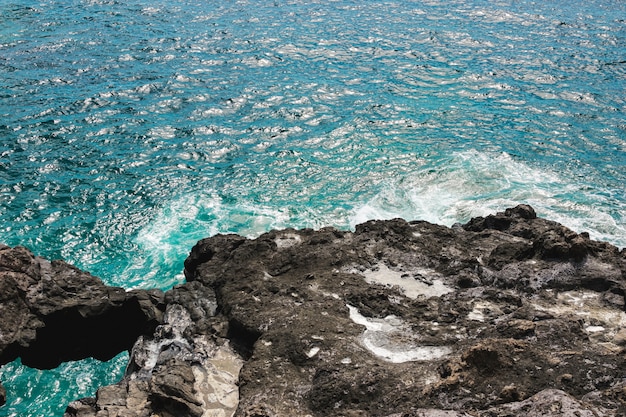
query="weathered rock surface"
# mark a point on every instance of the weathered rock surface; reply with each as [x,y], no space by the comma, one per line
[51,312]
[183,369]
[399,317]
[507,315]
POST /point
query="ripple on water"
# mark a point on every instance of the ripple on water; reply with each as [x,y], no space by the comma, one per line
[130,131]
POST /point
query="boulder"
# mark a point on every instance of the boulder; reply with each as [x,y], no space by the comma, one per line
[550,403]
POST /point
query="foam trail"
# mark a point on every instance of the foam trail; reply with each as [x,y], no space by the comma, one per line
[165,242]
[473,184]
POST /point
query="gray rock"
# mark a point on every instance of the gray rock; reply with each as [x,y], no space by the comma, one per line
[182,369]
[405,316]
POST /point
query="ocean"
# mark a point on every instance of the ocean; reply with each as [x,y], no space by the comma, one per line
[131,129]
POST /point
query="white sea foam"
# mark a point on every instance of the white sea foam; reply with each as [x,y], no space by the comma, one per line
[165,241]
[472,184]
[469,184]
[176,149]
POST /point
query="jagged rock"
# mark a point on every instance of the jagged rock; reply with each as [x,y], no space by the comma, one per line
[52,312]
[429,412]
[507,315]
[184,369]
[399,316]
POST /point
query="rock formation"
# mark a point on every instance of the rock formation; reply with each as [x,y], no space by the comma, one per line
[399,317]
[184,369]
[507,315]
[51,312]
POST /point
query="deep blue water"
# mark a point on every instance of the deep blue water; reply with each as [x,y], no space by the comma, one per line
[131,129]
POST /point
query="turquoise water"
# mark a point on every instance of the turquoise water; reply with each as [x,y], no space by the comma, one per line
[131,129]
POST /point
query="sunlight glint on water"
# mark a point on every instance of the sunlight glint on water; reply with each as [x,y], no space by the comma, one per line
[129,130]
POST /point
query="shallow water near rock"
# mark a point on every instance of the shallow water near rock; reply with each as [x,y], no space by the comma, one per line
[129,131]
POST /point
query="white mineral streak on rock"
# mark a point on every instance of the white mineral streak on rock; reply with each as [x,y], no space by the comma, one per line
[601,322]
[594,329]
[146,351]
[216,383]
[287,240]
[216,367]
[482,307]
[391,340]
[314,351]
[411,287]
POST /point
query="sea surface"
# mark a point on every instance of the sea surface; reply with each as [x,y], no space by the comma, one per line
[130,129]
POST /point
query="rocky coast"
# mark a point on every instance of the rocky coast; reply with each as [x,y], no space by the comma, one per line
[506,315]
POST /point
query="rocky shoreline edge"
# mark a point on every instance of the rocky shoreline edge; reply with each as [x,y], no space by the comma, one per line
[506,315]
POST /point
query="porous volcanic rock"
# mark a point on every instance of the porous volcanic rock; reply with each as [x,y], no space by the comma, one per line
[51,312]
[185,369]
[502,315]
[507,315]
